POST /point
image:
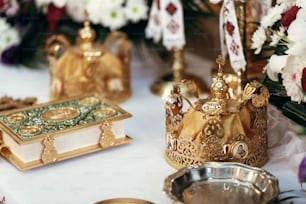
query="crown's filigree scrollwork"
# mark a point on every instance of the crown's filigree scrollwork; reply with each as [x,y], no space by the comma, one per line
[213,127]
[218,128]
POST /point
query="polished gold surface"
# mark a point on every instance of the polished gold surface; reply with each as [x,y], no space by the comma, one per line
[105,112]
[223,127]
[29,130]
[222,183]
[16,118]
[60,114]
[89,101]
[124,201]
[162,86]
[88,67]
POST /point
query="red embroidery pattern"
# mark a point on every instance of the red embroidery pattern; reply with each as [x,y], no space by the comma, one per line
[173,27]
[229,28]
[234,47]
[171,9]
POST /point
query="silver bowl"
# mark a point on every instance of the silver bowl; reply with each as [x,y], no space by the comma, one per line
[222,183]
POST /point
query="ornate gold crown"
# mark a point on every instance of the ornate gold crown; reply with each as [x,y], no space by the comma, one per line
[223,127]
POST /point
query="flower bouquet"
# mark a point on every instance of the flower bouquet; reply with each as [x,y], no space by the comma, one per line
[282,30]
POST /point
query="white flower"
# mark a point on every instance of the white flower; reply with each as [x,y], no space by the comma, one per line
[59,3]
[296,34]
[301,3]
[272,75]
[297,28]
[136,11]
[9,36]
[277,63]
[277,36]
[286,3]
[292,75]
[298,48]
[258,39]
[113,3]
[94,9]
[3,25]
[113,18]
[76,10]
[274,14]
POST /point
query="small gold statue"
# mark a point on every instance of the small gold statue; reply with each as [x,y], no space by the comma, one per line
[89,67]
[221,127]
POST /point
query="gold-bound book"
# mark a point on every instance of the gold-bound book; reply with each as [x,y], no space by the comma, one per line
[51,132]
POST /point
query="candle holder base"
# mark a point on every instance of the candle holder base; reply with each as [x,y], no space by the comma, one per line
[163,86]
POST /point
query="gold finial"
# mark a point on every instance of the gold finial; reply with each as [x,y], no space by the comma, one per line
[219,88]
[220,61]
[86,36]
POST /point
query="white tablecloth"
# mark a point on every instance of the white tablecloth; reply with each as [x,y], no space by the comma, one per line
[135,170]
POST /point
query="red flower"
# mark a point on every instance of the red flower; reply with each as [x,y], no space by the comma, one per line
[303,80]
[230,27]
[54,15]
[2,4]
[289,16]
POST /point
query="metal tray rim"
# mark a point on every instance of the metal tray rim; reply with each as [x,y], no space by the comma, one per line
[272,180]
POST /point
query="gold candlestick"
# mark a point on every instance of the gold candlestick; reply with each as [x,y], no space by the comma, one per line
[164,85]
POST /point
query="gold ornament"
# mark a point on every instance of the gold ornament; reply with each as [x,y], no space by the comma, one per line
[107,138]
[49,153]
[4,149]
[222,127]
[89,67]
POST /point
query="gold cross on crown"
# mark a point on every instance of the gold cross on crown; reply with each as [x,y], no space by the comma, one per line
[220,62]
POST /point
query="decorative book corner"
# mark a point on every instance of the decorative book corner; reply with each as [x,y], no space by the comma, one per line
[51,132]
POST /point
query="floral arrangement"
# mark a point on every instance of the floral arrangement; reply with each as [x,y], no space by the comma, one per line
[283,29]
[25,24]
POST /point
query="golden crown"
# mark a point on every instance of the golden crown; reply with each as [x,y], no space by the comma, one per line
[223,127]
